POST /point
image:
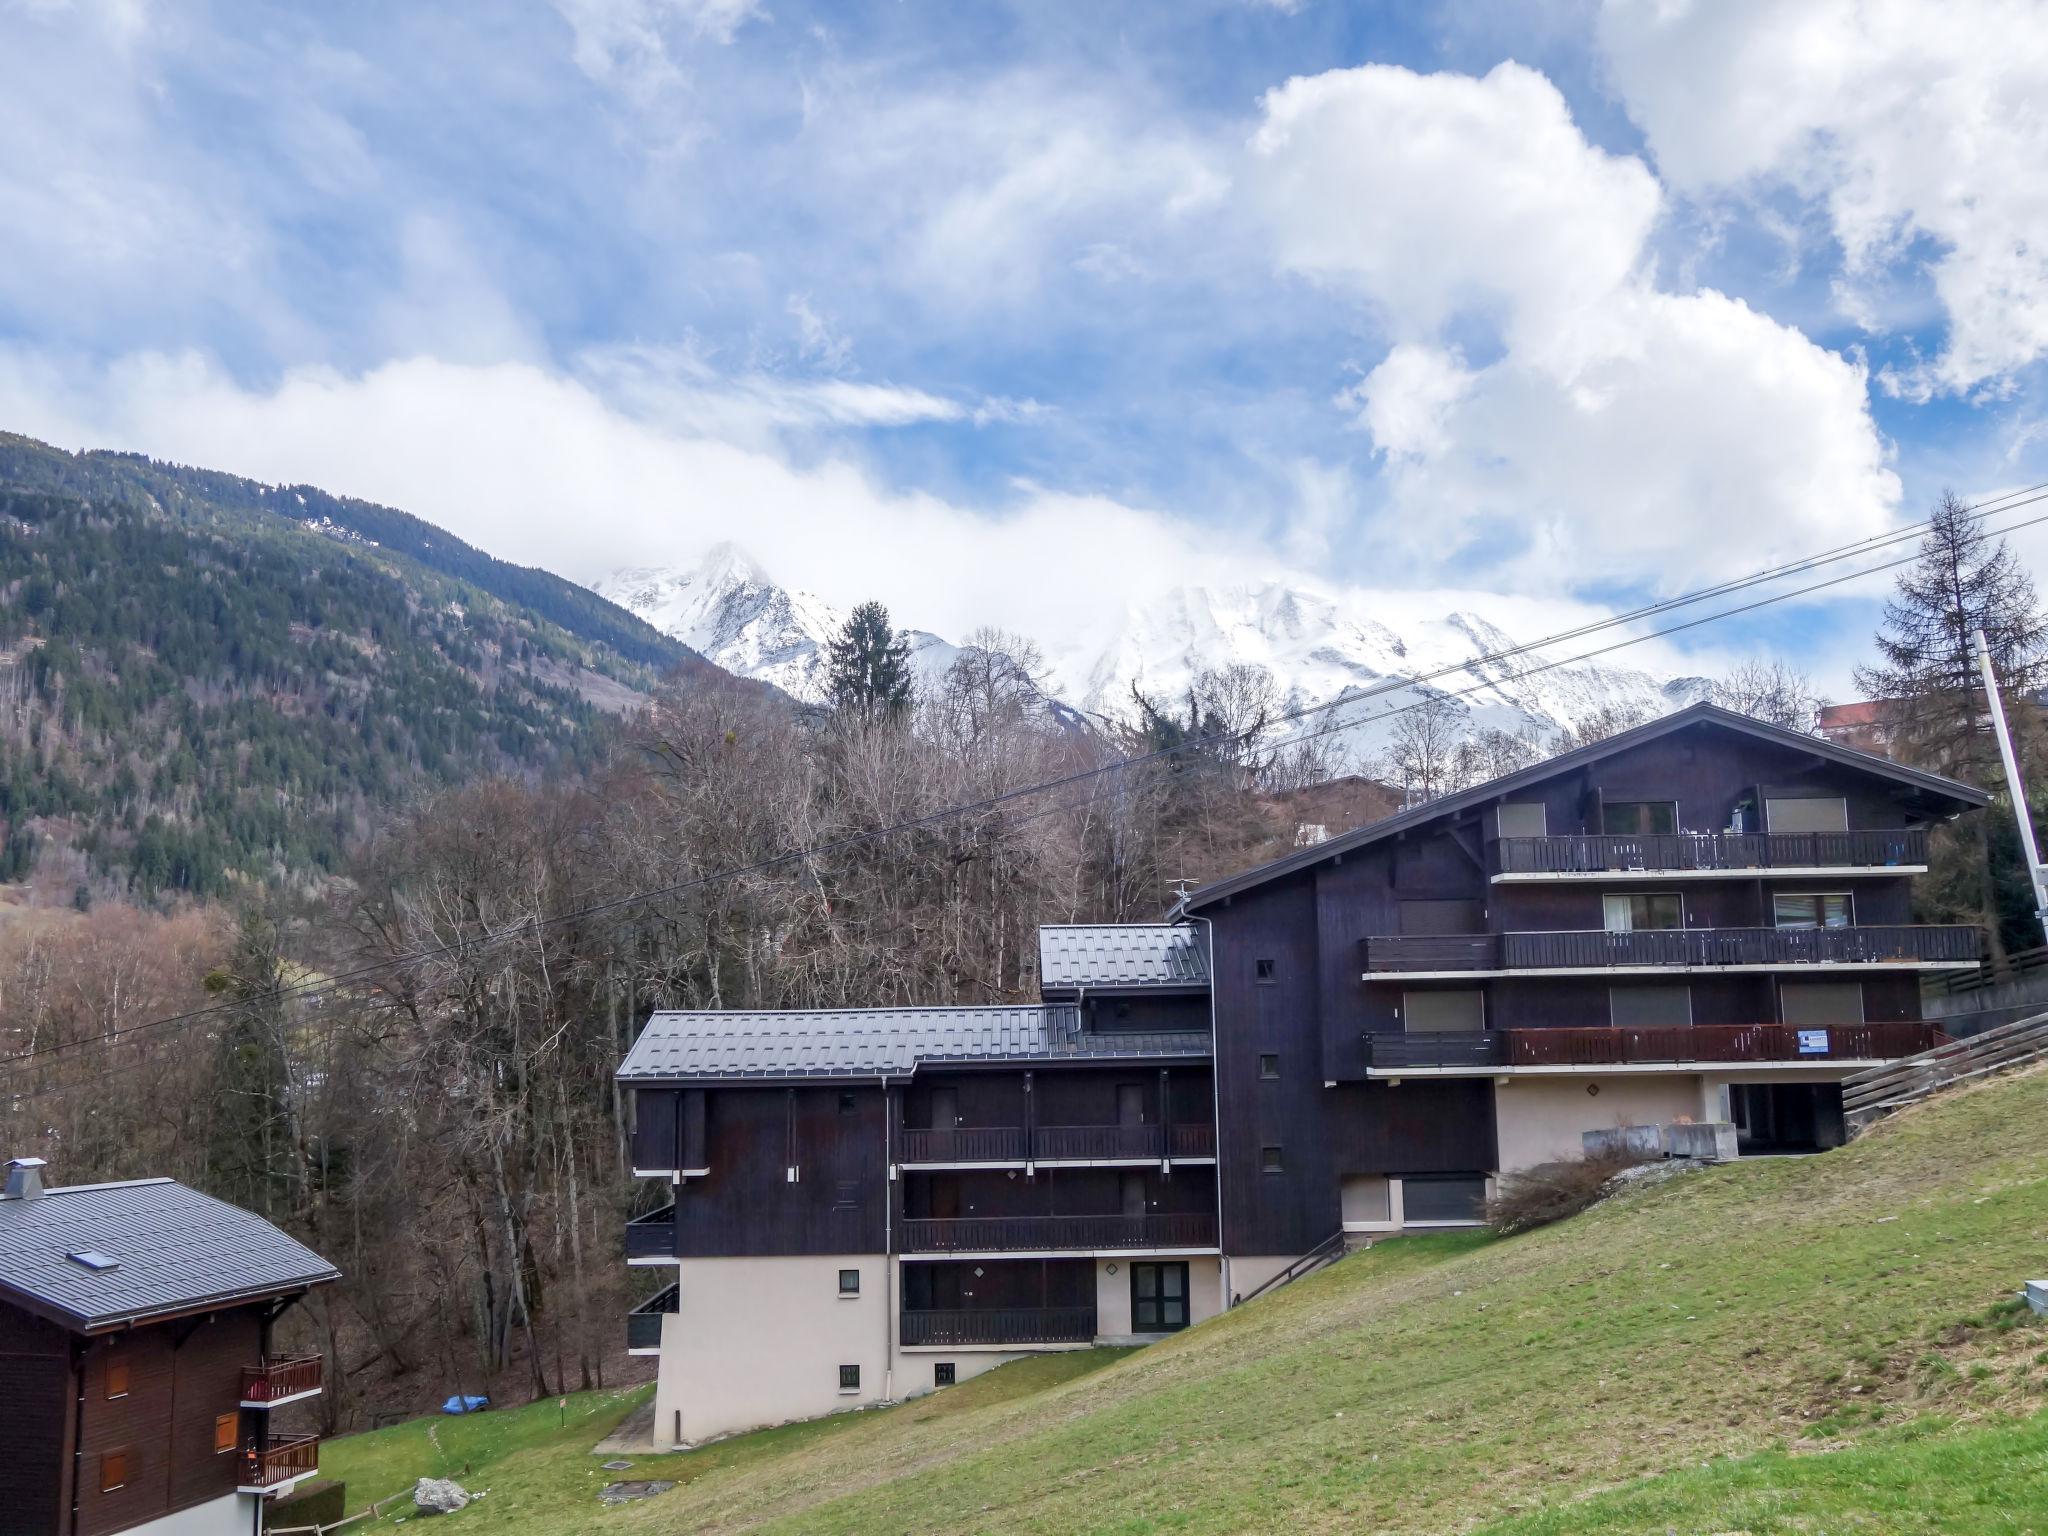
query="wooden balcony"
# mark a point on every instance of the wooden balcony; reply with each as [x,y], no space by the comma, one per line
[653,1236]
[643,1323]
[277,1382]
[1057,1143]
[279,1464]
[959,1326]
[1056,1234]
[1507,1049]
[1674,948]
[1903,848]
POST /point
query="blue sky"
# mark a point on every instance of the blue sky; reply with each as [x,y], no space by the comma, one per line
[1013,313]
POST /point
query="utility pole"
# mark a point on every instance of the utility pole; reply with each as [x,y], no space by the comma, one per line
[2018,790]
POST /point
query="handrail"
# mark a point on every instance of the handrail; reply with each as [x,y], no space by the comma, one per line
[1325,1252]
[1678,852]
[1880,1089]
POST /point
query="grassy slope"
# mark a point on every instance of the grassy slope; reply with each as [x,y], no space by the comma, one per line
[1671,1347]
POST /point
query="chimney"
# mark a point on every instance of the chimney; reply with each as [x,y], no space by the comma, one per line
[24,1179]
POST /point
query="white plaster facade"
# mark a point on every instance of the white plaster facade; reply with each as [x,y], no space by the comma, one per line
[232,1514]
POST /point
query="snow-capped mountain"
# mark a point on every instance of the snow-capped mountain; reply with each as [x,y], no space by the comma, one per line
[728,609]
[1317,645]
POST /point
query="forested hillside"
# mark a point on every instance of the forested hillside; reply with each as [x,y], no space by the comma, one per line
[207,683]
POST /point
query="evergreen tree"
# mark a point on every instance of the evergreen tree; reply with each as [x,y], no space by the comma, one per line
[868,667]
[252,1149]
[1933,696]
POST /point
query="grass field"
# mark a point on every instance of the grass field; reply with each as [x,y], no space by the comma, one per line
[1811,1345]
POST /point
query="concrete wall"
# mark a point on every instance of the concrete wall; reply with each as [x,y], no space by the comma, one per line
[1113,1295]
[1539,1119]
[232,1515]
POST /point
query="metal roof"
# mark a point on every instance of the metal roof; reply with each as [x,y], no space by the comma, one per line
[173,1250]
[1120,955]
[1961,796]
[872,1042]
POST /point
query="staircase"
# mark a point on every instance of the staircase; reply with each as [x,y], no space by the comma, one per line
[1867,1096]
[1328,1251]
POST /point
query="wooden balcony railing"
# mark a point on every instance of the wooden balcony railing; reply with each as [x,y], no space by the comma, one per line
[1907,944]
[1046,1234]
[643,1323]
[652,1236]
[285,1458]
[1681,851]
[965,1144]
[277,1381]
[1595,1046]
[958,1326]
[1056,1143]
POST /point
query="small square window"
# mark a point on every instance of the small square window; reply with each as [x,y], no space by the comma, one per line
[226,1430]
[117,1376]
[1269,1159]
[849,1378]
[846,1103]
[1269,1065]
[113,1470]
[942,1373]
[849,1282]
[1265,970]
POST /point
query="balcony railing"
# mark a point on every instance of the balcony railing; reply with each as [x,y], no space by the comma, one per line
[1057,1143]
[281,1381]
[285,1459]
[652,1236]
[1591,1046]
[643,1323]
[1681,851]
[1903,944]
[1047,1234]
[1000,1325]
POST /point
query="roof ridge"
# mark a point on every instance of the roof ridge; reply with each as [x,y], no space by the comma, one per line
[86,1189]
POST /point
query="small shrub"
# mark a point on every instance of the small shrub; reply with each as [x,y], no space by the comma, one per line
[320,1502]
[1549,1192]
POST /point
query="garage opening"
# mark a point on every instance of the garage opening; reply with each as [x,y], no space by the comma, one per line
[1785,1117]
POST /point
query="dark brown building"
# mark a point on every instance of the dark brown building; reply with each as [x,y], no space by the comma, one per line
[138,1391]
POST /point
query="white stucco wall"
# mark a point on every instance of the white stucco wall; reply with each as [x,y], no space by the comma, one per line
[230,1515]
[1113,1294]
[1540,1119]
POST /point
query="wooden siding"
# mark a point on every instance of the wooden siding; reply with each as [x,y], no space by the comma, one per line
[747,1205]
[1418,1127]
[36,1399]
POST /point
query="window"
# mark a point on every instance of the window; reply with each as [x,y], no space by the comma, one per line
[1806,815]
[846,1103]
[847,1195]
[1438,915]
[1265,970]
[226,1430]
[1269,1066]
[942,1373]
[1634,914]
[1820,1002]
[1443,1197]
[1648,1007]
[1269,1160]
[1159,1298]
[117,1376]
[1365,1199]
[113,1470]
[1524,819]
[1812,909]
[849,1378]
[849,1282]
[1639,818]
[1462,1011]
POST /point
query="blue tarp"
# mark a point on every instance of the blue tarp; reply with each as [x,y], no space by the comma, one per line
[465,1404]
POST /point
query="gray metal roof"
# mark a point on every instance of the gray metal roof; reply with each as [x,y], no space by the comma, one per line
[1956,796]
[175,1250]
[871,1042]
[1120,955]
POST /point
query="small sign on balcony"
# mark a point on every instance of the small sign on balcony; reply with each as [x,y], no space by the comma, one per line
[1813,1042]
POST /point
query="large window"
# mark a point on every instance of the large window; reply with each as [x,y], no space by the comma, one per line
[1813,1003]
[1159,1298]
[1638,818]
[1443,1197]
[1523,818]
[1439,915]
[1806,815]
[1635,913]
[1649,1007]
[1458,1011]
[1813,909]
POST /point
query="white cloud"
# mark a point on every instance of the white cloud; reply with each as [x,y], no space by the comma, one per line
[1907,121]
[1619,429]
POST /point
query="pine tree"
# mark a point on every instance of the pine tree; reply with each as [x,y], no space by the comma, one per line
[868,667]
[1933,696]
[252,1147]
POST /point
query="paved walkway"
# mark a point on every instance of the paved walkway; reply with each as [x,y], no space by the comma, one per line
[633,1437]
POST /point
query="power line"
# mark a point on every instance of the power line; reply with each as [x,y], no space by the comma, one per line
[2012,501]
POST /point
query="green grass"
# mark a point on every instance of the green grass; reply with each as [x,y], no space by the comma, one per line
[1771,1338]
